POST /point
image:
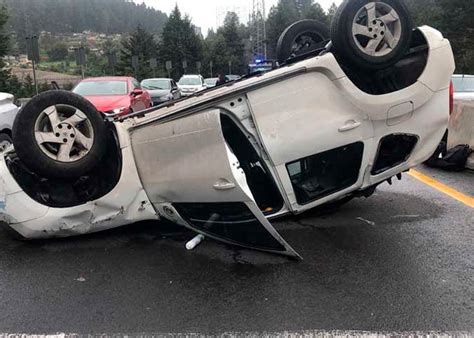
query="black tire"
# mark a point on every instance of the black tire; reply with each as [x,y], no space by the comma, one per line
[32,155]
[4,138]
[345,47]
[315,30]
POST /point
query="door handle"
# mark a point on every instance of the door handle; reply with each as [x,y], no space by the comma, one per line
[224,185]
[349,126]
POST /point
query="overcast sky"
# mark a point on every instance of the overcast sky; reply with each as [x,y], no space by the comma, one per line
[206,13]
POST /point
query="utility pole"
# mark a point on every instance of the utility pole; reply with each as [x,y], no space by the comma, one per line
[32,49]
[112,60]
[135,66]
[80,54]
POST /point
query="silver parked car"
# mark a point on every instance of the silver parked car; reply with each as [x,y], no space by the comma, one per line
[161,90]
[8,111]
[191,84]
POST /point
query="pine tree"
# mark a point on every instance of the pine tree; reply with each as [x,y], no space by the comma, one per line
[460,31]
[142,44]
[215,52]
[4,41]
[179,42]
[235,48]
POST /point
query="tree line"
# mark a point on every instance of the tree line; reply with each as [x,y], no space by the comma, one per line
[225,50]
[28,17]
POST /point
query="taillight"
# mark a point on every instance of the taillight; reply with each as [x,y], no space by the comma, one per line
[451,98]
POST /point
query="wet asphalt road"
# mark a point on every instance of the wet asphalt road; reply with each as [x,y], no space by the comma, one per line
[402,260]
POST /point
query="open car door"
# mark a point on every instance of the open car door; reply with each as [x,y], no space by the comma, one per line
[193,177]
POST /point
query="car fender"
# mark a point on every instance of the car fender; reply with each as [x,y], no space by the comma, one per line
[435,77]
[125,204]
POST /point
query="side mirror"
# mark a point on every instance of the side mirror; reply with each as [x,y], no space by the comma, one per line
[137,92]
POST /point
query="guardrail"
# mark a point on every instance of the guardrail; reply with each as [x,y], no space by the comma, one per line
[461,127]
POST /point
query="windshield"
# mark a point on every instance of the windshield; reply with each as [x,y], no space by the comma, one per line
[190,81]
[463,84]
[101,88]
[156,84]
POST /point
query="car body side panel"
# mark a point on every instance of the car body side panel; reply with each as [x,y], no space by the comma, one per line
[305,115]
[436,111]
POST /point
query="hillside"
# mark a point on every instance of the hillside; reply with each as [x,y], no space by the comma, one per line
[69,16]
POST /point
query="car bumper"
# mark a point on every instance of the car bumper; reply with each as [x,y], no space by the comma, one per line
[125,204]
[158,100]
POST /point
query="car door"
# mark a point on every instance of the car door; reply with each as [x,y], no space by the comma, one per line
[192,177]
[316,139]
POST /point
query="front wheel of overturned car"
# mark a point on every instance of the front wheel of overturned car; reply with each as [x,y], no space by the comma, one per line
[59,134]
[371,34]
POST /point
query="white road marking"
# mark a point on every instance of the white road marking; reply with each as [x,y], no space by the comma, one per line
[283,334]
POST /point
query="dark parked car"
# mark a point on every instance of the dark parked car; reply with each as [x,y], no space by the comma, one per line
[161,90]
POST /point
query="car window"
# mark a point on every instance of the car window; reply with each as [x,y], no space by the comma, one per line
[101,88]
[136,84]
[190,81]
[156,84]
[463,84]
[323,174]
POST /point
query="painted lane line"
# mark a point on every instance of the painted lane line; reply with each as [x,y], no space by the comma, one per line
[466,199]
[282,334]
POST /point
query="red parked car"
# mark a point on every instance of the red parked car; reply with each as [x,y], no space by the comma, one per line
[114,95]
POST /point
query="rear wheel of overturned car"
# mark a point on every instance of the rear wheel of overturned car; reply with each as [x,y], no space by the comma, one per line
[371,34]
[59,134]
[302,37]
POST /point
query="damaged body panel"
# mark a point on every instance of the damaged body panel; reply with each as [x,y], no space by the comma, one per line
[225,161]
[126,203]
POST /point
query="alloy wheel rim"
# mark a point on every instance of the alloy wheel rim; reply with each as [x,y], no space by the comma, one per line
[64,133]
[303,43]
[376,29]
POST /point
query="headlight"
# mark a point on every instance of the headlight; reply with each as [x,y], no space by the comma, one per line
[119,110]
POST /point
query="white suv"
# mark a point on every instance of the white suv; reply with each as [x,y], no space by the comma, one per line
[8,111]
[190,84]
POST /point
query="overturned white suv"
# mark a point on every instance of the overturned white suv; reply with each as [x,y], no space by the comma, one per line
[335,120]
